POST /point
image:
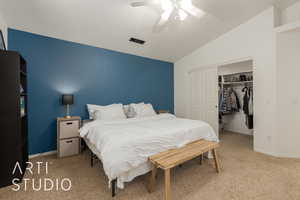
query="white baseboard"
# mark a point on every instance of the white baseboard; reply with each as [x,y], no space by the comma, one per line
[277,155]
[240,132]
[42,154]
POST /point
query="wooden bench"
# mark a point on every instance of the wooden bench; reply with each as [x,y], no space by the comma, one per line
[169,159]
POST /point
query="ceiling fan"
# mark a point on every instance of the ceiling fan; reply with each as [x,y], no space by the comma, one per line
[180,9]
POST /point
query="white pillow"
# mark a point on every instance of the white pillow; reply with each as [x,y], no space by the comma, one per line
[143,110]
[93,108]
[112,112]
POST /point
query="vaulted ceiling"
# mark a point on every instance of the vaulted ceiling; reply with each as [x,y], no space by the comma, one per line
[110,23]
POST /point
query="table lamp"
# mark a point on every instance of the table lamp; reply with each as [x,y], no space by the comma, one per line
[67,100]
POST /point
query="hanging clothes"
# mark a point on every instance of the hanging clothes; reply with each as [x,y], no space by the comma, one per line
[248,106]
[246,102]
[249,122]
[229,101]
[235,103]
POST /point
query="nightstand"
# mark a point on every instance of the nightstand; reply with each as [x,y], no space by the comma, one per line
[68,140]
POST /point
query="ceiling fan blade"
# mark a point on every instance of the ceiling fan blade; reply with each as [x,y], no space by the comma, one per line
[196,12]
[138,4]
[182,14]
[144,3]
[188,7]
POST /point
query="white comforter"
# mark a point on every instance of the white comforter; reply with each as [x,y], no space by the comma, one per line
[127,144]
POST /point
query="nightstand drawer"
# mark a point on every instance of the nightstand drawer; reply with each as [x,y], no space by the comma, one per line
[69,147]
[69,129]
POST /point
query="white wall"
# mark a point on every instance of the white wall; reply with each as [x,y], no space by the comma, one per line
[255,39]
[288,65]
[236,121]
[291,13]
[3,27]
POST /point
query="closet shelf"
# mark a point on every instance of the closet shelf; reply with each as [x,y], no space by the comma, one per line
[246,72]
[240,82]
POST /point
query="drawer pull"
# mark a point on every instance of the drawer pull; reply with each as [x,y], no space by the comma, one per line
[70,141]
[69,123]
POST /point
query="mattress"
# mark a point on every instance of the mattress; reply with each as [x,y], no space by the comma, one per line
[124,146]
[126,176]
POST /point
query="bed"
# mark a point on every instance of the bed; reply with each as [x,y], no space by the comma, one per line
[124,146]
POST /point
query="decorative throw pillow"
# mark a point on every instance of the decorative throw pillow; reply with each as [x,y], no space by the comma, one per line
[131,112]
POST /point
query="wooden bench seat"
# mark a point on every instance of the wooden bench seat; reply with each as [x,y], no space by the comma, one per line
[169,159]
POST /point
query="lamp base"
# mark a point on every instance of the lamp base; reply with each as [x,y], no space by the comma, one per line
[68,112]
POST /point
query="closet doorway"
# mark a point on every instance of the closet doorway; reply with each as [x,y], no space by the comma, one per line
[236,115]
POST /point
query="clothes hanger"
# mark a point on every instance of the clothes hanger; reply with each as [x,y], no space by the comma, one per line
[245,89]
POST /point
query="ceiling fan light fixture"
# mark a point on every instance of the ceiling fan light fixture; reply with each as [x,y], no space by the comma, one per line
[176,9]
[167,5]
[186,4]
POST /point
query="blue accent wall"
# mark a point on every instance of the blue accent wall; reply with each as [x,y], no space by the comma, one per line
[93,75]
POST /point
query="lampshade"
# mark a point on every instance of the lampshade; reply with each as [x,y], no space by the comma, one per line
[67,99]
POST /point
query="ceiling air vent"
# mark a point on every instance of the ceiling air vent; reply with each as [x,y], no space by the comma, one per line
[138,41]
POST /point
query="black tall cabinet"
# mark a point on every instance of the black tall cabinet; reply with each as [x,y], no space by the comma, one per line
[13,116]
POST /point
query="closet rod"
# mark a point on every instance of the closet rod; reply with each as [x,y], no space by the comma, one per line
[240,82]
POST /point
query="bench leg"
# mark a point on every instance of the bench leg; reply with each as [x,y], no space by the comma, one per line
[167,185]
[152,180]
[113,187]
[214,152]
[201,159]
[92,159]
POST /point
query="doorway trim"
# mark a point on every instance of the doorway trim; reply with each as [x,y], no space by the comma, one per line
[254,85]
[228,62]
[232,61]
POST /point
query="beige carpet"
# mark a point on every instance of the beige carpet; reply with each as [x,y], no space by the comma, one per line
[245,175]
